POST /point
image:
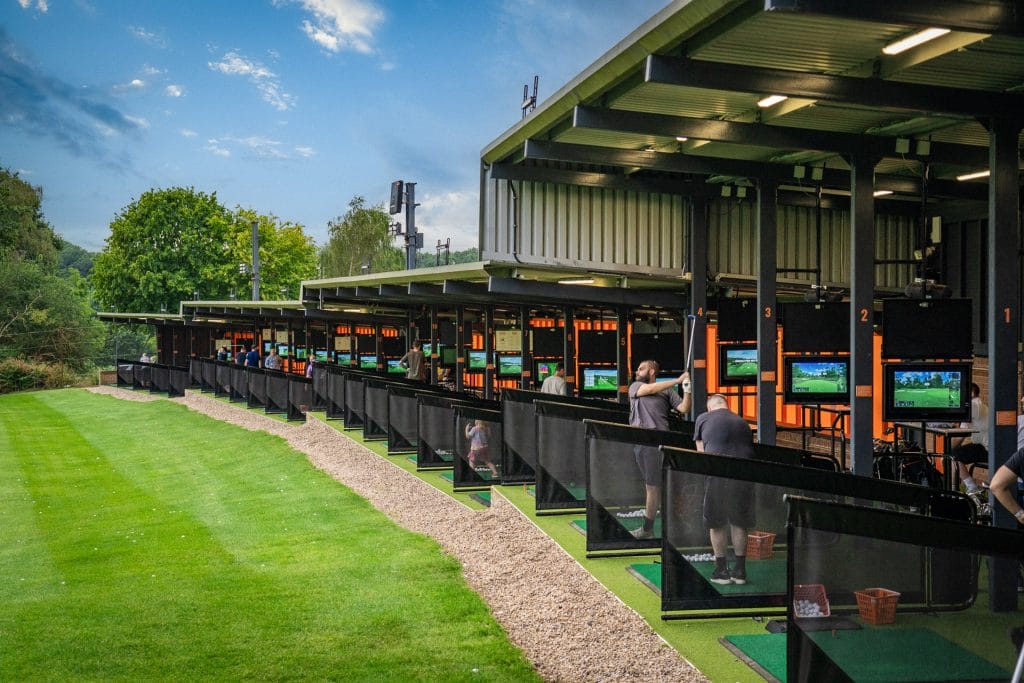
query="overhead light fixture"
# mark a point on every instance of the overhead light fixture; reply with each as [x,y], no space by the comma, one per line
[351,310]
[913,40]
[577,281]
[771,100]
[681,138]
[973,176]
[883,193]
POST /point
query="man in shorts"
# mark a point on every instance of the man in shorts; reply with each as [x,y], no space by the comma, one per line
[649,405]
[728,505]
[1004,484]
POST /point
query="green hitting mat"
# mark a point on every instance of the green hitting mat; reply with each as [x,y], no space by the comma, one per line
[765,653]
[482,497]
[649,574]
[763,576]
[448,476]
[579,525]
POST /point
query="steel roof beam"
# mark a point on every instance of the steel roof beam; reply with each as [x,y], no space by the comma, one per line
[602,180]
[583,295]
[870,92]
[1004,17]
[776,137]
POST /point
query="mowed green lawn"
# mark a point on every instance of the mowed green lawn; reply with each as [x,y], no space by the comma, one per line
[145,541]
[814,385]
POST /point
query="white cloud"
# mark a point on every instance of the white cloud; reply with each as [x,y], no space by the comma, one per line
[233,64]
[134,84]
[339,25]
[213,145]
[187,133]
[387,66]
[305,152]
[148,70]
[41,5]
[145,36]
[262,147]
[453,214]
[174,91]
[138,121]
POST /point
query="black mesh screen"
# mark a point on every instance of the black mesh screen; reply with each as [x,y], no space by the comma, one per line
[375,410]
[519,441]
[195,372]
[403,422]
[742,501]
[179,379]
[140,376]
[239,384]
[222,374]
[319,386]
[300,396]
[335,394]
[354,402]
[208,381]
[436,418]
[561,451]
[477,448]
[862,586]
[160,381]
[277,392]
[616,491]
[257,387]
[125,373]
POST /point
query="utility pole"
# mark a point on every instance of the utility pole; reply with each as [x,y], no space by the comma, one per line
[403,193]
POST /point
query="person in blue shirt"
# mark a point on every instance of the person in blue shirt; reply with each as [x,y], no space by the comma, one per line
[252,359]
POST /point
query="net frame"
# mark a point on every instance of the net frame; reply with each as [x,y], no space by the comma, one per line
[140,376]
[354,400]
[300,396]
[436,427]
[257,380]
[465,477]
[319,377]
[375,409]
[159,379]
[208,381]
[277,392]
[178,380]
[125,373]
[335,408]
[239,384]
[222,375]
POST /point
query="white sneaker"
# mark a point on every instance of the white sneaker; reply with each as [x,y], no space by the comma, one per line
[642,534]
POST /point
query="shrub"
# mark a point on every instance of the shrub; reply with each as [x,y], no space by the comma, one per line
[19,375]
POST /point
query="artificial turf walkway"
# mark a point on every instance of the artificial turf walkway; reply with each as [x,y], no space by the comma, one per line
[146,541]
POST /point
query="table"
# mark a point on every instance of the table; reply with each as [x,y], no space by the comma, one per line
[946,433]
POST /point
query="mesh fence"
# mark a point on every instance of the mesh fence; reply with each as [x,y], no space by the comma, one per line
[222,374]
[403,421]
[208,379]
[195,372]
[741,502]
[862,588]
[436,421]
[239,384]
[257,387]
[354,401]
[319,386]
[561,451]
[125,373]
[300,396]
[277,392]
[375,409]
[335,394]
[616,493]
[477,446]
[159,379]
[179,379]
[140,376]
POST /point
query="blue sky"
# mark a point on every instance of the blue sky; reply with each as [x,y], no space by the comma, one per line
[289,107]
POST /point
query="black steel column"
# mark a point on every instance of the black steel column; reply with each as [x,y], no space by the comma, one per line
[489,352]
[621,358]
[862,293]
[767,333]
[378,345]
[1003,321]
[526,381]
[460,346]
[697,328]
[435,344]
[569,348]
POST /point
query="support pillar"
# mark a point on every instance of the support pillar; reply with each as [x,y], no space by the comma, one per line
[862,293]
[698,324]
[767,332]
[489,352]
[621,358]
[569,348]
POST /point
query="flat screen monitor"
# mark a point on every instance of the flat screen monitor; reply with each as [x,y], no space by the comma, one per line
[661,378]
[344,358]
[395,367]
[547,342]
[477,360]
[664,347]
[600,380]
[510,365]
[448,356]
[937,392]
[545,368]
[368,361]
[320,355]
[428,348]
[737,364]
[266,347]
[597,346]
[300,353]
[816,327]
[737,320]
[816,379]
[282,350]
[393,346]
[926,328]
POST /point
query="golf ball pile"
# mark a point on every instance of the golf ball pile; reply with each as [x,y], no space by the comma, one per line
[807,608]
[700,557]
[627,515]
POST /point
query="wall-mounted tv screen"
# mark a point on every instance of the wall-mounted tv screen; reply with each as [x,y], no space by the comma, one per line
[816,379]
[600,380]
[737,320]
[300,353]
[926,391]
[816,327]
[368,361]
[393,346]
[344,358]
[448,356]
[547,342]
[477,360]
[598,346]
[282,350]
[737,364]
[664,347]
[926,328]
[320,355]
[510,365]
[395,367]
[545,368]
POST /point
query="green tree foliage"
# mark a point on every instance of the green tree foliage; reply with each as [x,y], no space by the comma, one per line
[126,341]
[74,256]
[43,318]
[287,255]
[428,257]
[23,231]
[360,237]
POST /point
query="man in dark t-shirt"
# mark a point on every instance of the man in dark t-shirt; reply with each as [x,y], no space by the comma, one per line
[1004,484]
[649,405]
[728,504]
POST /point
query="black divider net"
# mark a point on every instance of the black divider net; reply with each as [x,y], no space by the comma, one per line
[277,392]
[375,409]
[335,394]
[355,402]
[257,387]
[837,551]
[125,373]
[208,380]
[178,380]
[743,499]
[222,375]
[616,492]
[319,378]
[141,376]
[300,397]
[239,384]
[159,379]
[403,419]
[561,451]
[195,372]
[436,427]
[477,447]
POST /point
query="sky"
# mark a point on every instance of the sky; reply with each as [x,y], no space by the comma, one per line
[288,107]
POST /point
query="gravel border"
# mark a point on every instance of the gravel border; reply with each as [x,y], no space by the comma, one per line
[567,624]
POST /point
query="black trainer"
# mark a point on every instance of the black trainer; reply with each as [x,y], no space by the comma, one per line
[738,576]
[721,576]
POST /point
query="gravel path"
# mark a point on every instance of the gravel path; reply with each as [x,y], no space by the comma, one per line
[568,625]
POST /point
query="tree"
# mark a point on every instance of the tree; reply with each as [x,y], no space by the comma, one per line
[23,231]
[357,238]
[287,255]
[74,256]
[428,258]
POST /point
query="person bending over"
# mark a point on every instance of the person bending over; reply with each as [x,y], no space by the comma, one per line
[649,406]
[728,504]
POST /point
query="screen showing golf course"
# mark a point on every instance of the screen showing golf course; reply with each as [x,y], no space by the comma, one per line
[600,379]
[915,389]
[817,379]
[395,366]
[926,391]
[368,362]
[737,365]
[510,365]
[544,370]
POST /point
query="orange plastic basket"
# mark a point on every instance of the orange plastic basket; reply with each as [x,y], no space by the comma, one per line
[759,545]
[812,592]
[877,605]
